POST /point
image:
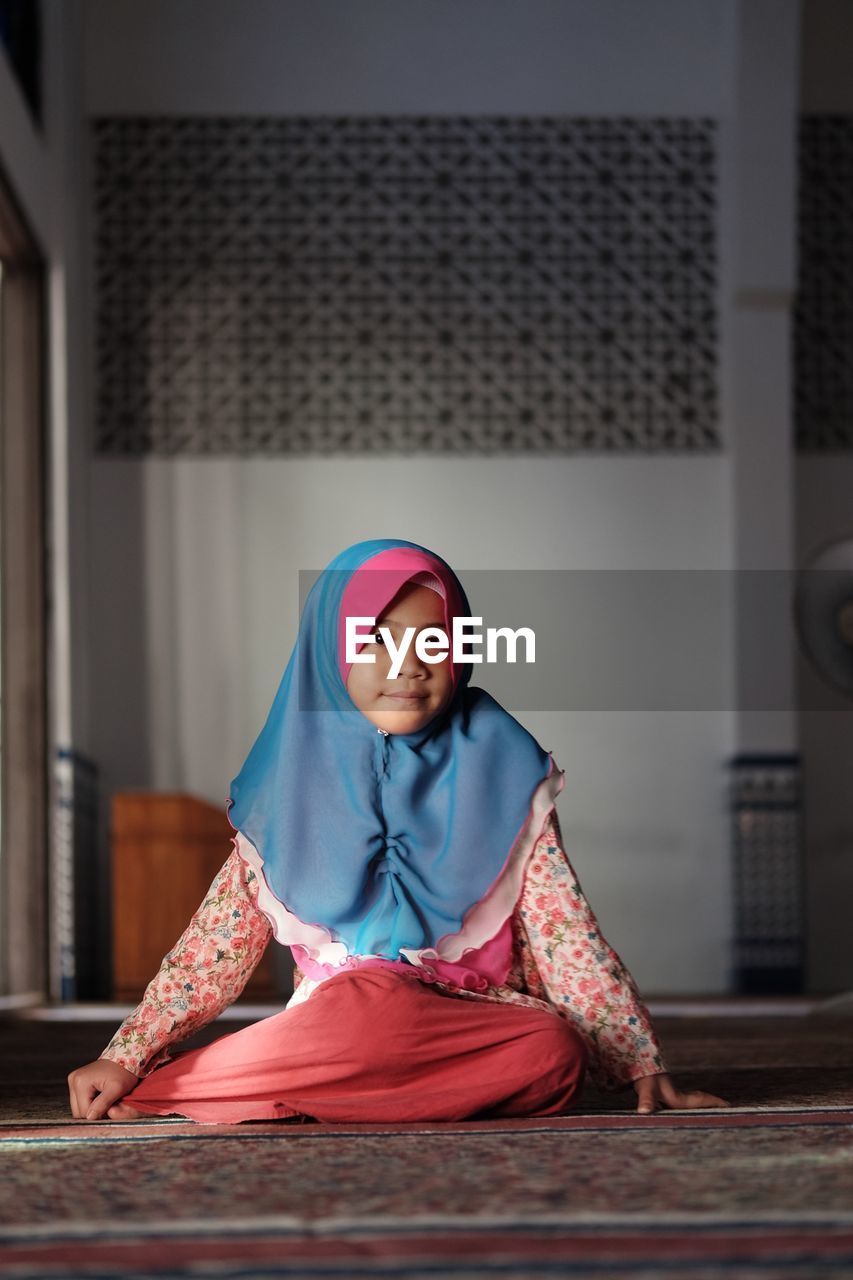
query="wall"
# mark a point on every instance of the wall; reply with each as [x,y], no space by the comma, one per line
[824,513]
[194,560]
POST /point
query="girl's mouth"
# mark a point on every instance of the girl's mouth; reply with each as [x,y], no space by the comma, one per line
[405,697]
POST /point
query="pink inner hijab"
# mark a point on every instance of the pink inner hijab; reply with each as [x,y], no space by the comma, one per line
[373,586]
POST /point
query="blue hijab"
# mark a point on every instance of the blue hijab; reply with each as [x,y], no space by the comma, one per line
[384,840]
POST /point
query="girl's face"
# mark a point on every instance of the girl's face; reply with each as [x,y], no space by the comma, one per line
[428,684]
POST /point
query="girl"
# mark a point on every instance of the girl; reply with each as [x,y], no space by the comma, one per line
[400,836]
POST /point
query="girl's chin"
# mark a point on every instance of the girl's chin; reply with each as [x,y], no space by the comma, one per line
[403,720]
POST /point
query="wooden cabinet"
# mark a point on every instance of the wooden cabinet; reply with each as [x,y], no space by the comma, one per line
[166,850]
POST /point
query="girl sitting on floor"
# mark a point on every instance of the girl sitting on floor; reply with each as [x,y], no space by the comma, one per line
[399,834]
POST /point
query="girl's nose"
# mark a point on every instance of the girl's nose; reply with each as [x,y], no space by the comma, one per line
[413,667]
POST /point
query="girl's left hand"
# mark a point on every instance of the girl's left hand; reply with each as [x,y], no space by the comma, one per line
[659,1088]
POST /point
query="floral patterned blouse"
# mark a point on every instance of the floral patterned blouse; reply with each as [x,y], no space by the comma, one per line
[560,961]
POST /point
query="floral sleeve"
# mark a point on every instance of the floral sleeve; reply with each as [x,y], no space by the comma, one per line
[205,971]
[566,960]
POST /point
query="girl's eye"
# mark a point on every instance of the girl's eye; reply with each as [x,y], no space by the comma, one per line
[377,638]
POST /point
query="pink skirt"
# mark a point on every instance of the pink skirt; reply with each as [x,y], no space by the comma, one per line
[375,1044]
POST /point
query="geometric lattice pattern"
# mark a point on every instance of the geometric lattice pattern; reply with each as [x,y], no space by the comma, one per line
[388,284]
[823,382]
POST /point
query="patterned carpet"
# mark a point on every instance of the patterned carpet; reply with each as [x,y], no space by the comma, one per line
[763,1188]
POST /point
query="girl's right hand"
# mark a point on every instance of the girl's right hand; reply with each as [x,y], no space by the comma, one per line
[94,1088]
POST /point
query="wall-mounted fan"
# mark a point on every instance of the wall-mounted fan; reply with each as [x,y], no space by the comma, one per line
[823,612]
